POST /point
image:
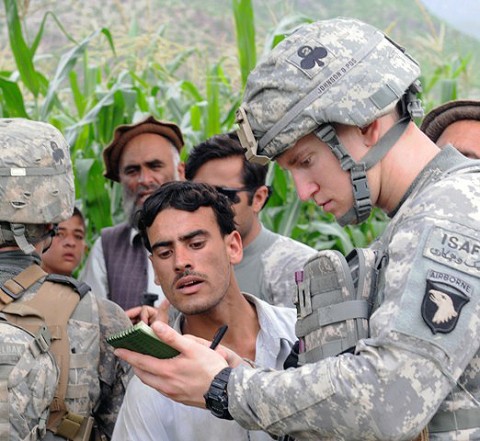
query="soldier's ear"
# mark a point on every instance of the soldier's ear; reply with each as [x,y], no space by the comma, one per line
[371,133]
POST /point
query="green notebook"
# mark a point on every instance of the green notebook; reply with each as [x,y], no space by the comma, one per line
[141,338]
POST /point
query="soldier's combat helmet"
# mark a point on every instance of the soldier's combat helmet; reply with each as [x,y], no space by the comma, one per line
[333,71]
[36,179]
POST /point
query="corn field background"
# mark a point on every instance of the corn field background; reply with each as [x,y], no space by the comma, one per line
[87,67]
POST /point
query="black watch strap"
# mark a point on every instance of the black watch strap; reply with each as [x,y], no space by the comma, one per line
[216,398]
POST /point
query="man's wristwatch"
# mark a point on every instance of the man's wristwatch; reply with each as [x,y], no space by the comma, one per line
[216,398]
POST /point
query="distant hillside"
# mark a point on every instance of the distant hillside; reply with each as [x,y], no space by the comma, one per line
[207,25]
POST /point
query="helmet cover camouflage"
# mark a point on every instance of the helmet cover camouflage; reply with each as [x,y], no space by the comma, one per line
[36,178]
[332,71]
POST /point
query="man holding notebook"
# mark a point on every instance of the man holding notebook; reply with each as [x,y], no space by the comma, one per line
[189,230]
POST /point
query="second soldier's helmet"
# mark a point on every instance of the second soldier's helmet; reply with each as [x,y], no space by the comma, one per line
[332,71]
[36,178]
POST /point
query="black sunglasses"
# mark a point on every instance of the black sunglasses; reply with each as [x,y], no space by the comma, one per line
[231,193]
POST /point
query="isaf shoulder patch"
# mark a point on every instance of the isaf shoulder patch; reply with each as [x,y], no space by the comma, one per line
[445,296]
[454,249]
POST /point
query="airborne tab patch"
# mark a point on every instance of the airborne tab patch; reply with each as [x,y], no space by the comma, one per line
[445,296]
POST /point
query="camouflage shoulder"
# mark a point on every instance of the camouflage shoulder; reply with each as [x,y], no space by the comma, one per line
[112,317]
[290,252]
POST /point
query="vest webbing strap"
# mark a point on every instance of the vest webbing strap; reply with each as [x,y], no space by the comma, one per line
[327,315]
[13,288]
[53,305]
[461,419]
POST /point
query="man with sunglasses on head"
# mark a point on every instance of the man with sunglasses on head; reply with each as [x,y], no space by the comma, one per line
[269,259]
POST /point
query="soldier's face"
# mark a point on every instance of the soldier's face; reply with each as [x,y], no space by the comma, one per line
[317,175]
[67,248]
[146,163]
[192,260]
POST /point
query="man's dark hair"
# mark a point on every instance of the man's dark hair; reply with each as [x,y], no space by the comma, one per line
[79,214]
[185,196]
[226,146]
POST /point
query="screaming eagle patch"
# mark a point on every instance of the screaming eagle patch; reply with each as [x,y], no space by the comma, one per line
[445,296]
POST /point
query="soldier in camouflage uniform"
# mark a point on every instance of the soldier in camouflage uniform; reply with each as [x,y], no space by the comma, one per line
[36,192]
[333,105]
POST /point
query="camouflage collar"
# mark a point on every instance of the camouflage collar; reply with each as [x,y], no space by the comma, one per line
[18,259]
[446,159]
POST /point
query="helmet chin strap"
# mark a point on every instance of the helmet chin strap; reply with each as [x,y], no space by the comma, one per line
[362,204]
[16,233]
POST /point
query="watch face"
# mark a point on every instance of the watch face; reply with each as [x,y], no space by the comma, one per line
[217,407]
[216,399]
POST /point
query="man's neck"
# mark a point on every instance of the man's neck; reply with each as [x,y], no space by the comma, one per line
[252,234]
[402,165]
[241,318]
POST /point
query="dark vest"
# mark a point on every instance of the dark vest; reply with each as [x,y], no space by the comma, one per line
[126,266]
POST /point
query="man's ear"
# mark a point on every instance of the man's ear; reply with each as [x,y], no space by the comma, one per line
[260,198]
[371,133]
[234,247]
[181,171]
[155,277]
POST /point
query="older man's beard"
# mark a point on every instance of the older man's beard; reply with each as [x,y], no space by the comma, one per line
[131,204]
[130,201]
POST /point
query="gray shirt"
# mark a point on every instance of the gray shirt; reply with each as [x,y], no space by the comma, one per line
[268,267]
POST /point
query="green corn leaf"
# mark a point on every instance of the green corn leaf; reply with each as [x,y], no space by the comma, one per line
[290,217]
[78,98]
[21,52]
[336,232]
[245,33]
[213,101]
[93,189]
[12,98]
[66,64]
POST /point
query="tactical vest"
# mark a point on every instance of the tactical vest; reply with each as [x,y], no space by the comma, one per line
[335,297]
[63,317]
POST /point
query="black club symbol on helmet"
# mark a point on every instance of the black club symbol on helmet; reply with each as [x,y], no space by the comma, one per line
[311,57]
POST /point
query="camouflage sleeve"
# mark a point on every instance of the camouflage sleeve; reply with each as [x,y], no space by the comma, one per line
[424,338]
[280,262]
[114,373]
